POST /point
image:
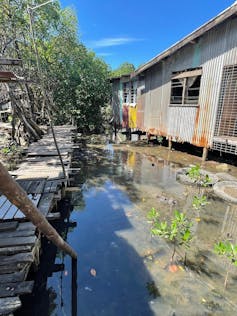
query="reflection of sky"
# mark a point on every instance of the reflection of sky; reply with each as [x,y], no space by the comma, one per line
[113,237]
[119,287]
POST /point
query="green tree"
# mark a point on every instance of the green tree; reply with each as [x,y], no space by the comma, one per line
[124,69]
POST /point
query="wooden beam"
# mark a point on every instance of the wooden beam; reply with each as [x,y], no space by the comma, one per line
[13,289]
[9,304]
[11,62]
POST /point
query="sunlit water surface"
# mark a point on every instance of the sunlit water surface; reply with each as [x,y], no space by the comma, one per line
[124,271]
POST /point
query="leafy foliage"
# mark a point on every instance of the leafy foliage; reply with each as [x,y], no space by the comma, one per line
[228,250]
[178,232]
[195,174]
[124,69]
[199,202]
[76,81]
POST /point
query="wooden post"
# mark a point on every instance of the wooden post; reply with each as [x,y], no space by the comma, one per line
[16,195]
[170,143]
[204,153]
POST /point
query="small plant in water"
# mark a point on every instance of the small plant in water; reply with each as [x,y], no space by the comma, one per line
[199,201]
[177,232]
[229,251]
[200,179]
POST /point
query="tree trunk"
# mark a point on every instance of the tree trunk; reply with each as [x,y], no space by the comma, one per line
[19,198]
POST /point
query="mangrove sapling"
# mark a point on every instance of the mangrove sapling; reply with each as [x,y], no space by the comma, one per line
[229,251]
[177,232]
[199,202]
[202,180]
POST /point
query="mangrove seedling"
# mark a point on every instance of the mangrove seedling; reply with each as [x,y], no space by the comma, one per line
[199,202]
[202,180]
[229,251]
[177,231]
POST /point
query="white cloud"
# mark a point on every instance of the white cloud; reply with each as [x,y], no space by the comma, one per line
[112,41]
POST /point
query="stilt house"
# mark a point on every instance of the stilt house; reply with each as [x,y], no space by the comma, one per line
[188,93]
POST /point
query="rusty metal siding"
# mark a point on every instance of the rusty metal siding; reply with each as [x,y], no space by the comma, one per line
[219,48]
[193,124]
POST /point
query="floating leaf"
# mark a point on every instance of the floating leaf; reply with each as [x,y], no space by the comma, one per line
[93,272]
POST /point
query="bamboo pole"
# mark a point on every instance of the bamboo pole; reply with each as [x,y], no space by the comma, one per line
[16,195]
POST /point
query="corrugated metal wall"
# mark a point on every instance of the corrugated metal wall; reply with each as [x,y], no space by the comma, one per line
[193,124]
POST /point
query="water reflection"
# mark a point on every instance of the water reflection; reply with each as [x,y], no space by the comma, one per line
[121,269]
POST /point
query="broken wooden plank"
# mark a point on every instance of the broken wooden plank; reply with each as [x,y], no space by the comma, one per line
[13,277]
[20,241]
[8,226]
[9,304]
[13,289]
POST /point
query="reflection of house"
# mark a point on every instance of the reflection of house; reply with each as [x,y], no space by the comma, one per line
[188,93]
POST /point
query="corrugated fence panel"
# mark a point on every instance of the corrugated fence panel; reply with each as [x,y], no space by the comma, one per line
[180,123]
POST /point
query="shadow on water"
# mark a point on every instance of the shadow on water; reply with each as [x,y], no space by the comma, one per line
[43,299]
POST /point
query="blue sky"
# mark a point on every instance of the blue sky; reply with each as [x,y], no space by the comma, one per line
[136,31]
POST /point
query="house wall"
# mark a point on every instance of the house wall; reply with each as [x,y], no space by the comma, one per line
[193,124]
[116,100]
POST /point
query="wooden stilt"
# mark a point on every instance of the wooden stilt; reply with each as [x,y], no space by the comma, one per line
[170,144]
[204,153]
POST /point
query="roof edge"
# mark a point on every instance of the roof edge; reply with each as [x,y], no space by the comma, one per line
[221,17]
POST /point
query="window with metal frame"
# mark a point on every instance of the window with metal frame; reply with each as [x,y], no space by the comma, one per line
[126,92]
[129,92]
[185,87]
[226,122]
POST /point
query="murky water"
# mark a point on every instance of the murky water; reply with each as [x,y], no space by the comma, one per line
[124,271]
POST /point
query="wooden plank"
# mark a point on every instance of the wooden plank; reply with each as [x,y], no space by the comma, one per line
[8,226]
[46,203]
[52,216]
[13,289]
[34,198]
[21,233]
[24,184]
[9,304]
[20,241]
[6,251]
[13,277]
[26,257]
[26,226]
[37,187]
[47,186]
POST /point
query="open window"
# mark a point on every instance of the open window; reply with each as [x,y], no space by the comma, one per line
[129,92]
[126,92]
[185,87]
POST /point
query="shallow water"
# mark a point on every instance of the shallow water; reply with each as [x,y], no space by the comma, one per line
[122,270]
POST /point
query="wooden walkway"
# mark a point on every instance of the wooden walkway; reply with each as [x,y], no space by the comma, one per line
[41,176]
